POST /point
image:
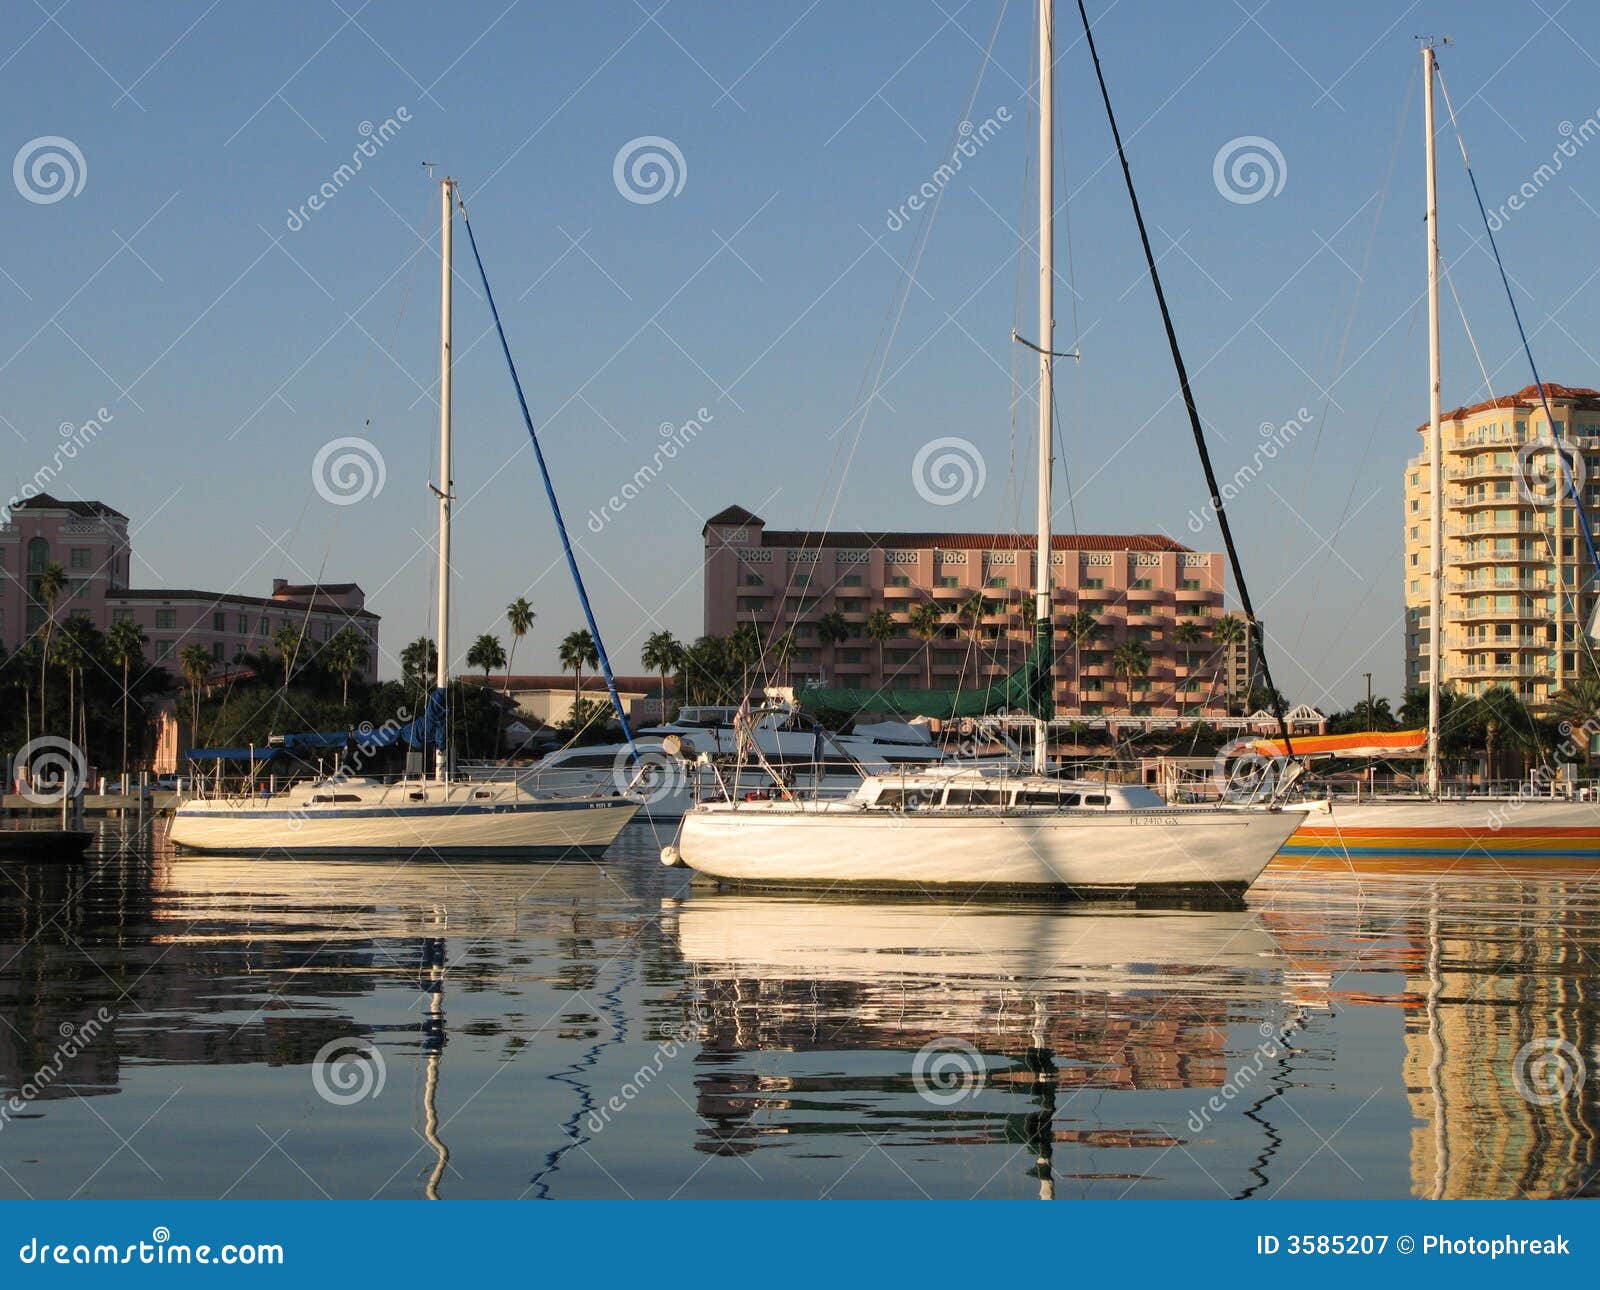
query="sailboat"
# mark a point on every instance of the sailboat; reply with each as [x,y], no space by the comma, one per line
[353,815]
[1504,827]
[969,828]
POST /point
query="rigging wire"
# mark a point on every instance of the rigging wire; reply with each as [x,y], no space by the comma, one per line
[1252,624]
[1572,489]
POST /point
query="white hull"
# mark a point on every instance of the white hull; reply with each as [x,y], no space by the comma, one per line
[1202,849]
[536,827]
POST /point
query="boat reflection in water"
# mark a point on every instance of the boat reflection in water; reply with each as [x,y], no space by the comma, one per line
[992,1023]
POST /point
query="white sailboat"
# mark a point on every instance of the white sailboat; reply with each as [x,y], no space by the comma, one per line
[964,828]
[419,817]
[1521,826]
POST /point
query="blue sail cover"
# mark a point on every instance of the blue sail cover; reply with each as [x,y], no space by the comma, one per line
[425,731]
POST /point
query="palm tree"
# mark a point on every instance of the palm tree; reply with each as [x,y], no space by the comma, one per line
[519,617]
[1080,626]
[661,653]
[1227,632]
[286,640]
[781,650]
[195,663]
[419,663]
[972,611]
[125,647]
[68,652]
[346,654]
[926,619]
[880,626]
[488,653]
[1132,659]
[1186,636]
[47,589]
[1575,706]
[832,629]
[744,648]
[577,651]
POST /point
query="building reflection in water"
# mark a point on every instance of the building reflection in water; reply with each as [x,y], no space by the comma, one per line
[1046,1003]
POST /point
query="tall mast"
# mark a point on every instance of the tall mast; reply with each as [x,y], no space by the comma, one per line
[441,677]
[1047,283]
[1435,442]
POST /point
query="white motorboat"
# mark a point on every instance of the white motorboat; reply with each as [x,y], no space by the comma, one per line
[667,786]
[959,829]
[418,817]
[969,829]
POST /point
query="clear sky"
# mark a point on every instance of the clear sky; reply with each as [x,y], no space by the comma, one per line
[232,331]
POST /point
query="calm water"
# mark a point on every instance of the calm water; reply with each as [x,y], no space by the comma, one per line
[203,1028]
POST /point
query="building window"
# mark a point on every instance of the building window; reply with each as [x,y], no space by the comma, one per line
[849,656]
[750,604]
[244,624]
[949,580]
[219,622]
[997,583]
[851,580]
[754,580]
[1093,584]
[899,580]
[79,558]
[121,615]
[38,555]
[1142,584]
[216,650]
[166,619]
[1189,584]
[163,650]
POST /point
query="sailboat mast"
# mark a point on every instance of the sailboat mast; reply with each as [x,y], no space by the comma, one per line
[1435,441]
[441,678]
[1047,283]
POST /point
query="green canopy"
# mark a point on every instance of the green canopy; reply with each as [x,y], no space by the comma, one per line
[1028,690]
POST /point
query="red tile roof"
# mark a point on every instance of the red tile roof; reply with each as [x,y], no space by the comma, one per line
[1580,396]
[227,598]
[563,681]
[973,541]
[91,510]
[731,515]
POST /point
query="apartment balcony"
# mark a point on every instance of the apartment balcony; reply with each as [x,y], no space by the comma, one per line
[1145,595]
[1198,595]
[1145,616]
[1526,613]
[1467,560]
[1502,528]
[1508,672]
[1099,594]
[1479,470]
[1481,587]
[948,595]
[903,593]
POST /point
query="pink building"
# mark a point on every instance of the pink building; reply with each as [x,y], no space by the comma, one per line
[1137,587]
[89,540]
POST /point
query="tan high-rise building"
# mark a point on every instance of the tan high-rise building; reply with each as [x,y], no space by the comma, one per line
[1508,545]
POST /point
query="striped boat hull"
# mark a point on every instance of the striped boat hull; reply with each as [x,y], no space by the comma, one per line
[1509,828]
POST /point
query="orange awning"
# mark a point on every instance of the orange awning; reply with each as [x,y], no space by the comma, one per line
[1366,743]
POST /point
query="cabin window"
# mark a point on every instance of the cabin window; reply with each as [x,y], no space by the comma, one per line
[973,797]
[1097,800]
[1045,797]
[481,794]
[325,798]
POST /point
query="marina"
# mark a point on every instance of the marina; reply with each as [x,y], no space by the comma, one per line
[606,1031]
[603,667]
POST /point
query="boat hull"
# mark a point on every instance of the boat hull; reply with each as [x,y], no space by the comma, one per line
[533,828]
[1513,828]
[1195,851]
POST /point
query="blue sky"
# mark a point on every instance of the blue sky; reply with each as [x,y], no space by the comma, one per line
[230,348]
